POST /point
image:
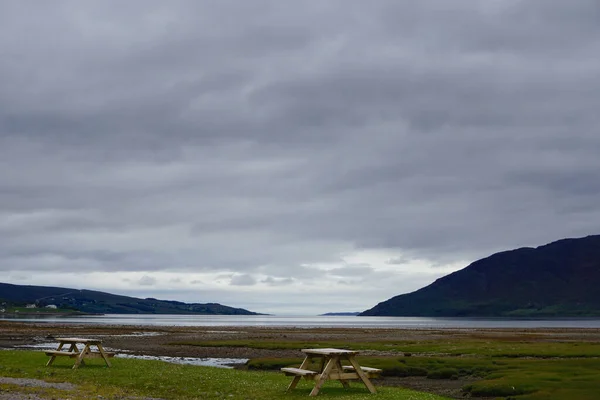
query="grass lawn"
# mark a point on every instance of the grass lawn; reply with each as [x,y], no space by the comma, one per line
[139,378]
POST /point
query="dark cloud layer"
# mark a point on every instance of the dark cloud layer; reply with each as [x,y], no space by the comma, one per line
[270,140]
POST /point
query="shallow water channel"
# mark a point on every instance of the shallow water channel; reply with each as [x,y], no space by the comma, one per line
[207,362]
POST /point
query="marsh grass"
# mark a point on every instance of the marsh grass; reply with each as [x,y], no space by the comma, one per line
[141,378]
[479,347]
[508,369]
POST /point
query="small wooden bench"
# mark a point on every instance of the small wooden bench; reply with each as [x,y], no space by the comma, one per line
[72,354]
[371,372]
[299,372]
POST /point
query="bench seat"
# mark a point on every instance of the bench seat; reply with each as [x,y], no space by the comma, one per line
[371,372]
[298,372]
[73,354]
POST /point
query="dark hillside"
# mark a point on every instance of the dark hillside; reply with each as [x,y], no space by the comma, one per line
[91,301]
[557,279]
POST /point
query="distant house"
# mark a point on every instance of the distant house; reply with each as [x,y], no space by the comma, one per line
[2,310]
[51,306]
[30,306]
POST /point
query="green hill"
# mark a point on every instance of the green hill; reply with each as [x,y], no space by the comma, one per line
[90,301]
[560,279]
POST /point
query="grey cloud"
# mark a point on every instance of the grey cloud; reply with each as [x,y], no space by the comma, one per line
[146,281]
[398,261]
[271,281]
[242,280]
[266,138]
[351,271]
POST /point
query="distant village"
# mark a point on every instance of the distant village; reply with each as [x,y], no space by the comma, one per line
[29,306]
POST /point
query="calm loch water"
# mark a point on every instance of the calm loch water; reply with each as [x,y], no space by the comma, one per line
[312,321]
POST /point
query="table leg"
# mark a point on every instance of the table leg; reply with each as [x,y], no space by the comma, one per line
[297,378]
[81,355]
[363,377]
[340,370]
[52,358]
[324,375]
[101,350]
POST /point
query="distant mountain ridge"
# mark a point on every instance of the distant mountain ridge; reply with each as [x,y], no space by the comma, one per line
[560,279]
[91,301]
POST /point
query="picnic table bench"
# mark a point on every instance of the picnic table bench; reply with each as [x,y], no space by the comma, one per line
[75,352]
[331,369]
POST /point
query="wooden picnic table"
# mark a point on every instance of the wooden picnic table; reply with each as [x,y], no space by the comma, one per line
[75,352]
[331,368]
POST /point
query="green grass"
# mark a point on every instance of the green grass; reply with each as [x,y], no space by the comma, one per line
[544,379]
[571,379]
[520,369]
[135,378]
[527,347]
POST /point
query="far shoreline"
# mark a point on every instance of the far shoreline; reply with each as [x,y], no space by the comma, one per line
[304,322]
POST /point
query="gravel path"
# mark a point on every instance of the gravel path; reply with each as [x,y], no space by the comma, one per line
[18,396]
[37,383]
[24,382]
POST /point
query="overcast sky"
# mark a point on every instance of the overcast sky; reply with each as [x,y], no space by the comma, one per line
[291,157]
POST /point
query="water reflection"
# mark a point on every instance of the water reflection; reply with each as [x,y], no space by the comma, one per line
[207,362]
[312,321]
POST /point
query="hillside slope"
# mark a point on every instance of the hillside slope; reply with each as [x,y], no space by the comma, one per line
[91,301]
[558,279]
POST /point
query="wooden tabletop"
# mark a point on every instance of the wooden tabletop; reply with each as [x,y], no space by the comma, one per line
[330,352]
[78,340]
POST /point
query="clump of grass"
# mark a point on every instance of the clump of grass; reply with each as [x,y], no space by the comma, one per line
[401,370]
[443,373]
[272,363]
[497,389]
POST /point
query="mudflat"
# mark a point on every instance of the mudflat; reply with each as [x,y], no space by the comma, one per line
[161,340]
